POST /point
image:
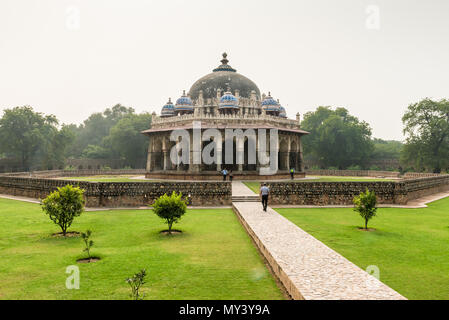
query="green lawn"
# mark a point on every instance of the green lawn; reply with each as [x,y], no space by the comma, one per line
[106,178]
[410,246]
[213,259]
[255,185]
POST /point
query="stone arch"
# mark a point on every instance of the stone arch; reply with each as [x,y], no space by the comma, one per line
[294,155]
[157,154]
[283,154]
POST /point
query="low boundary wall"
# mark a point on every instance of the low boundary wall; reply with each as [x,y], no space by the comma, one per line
[217,193]
[353,173]
[121,194]
[342,193]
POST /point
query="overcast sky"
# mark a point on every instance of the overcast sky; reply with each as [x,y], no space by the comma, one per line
[74,57]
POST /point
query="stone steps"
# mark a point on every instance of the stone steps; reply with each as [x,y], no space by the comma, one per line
[254,198]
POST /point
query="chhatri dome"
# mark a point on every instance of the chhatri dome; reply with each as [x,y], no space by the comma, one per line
[184,104]
[221,78]
[228,101]
[168,110]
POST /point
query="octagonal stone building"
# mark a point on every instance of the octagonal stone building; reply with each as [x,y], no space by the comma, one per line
[227,101]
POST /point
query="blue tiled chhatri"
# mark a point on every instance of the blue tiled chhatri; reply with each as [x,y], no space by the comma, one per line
[228,101]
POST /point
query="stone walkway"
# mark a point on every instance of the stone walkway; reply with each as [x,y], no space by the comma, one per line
[307,268]
[240,189]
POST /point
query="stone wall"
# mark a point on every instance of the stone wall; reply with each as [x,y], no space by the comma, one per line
[75,173]
[121,194]
[421,187]
[353,173]
[342,193]
[414,175]
[214,176]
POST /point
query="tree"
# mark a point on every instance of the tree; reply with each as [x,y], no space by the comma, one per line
[336,138]
[87,242]
[427,135]
[95,128]
[63,205]
[23,132]
[127,140]
[365,205]
[135,282]
[386,149]
[171,208]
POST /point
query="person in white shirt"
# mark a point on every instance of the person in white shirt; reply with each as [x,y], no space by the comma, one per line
[264,192]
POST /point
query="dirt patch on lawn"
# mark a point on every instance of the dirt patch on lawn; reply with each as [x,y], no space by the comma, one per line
[366,230]
[71,234]
[173,232]
[88,260]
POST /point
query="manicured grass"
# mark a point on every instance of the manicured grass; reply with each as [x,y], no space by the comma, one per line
[255,185]
[213,259]
[106,178]
[410,246]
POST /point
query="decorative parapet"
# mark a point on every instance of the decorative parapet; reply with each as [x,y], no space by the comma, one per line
[159,123]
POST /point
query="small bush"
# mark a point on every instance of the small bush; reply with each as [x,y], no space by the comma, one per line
[63,205]
[136,282]
[171,208]
[365,204]
[87,242]
[354,167]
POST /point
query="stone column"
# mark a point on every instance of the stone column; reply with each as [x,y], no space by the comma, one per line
[301,162]
[240,149]
[288,153]
[219,150]
[150,149]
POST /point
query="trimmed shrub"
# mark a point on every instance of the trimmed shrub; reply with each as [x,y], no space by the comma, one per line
[171,208]
[63,205]
[366,205]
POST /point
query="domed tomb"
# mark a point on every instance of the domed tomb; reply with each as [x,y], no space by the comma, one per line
[221,79]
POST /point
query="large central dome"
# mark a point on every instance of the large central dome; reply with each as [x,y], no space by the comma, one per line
[223,78]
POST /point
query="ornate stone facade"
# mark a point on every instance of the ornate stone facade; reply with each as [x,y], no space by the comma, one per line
[225,100]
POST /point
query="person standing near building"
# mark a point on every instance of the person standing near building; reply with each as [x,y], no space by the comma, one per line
[292,173]
[225,173]
[264,192]
[230,175]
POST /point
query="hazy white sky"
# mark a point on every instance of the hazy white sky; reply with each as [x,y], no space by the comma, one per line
[74,57]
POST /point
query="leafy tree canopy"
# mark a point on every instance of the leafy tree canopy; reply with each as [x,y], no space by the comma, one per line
[336,138]
[33,137]
[426,126]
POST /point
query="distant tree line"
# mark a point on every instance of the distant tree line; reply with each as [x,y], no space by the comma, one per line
[337,140]
[39,141]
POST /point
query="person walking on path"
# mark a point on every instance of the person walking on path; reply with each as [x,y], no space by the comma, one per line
[264,192]
[225,173]
[231,175]
[292,173]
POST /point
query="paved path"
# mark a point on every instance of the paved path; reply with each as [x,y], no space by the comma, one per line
[240,189]
[308,269]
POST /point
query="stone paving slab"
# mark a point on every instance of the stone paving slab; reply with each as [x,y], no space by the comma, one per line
[308,268]
[240,189]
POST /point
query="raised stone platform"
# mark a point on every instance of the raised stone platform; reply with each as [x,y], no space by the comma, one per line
[307,268]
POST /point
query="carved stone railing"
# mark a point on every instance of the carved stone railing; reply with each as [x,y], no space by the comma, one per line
[159,122]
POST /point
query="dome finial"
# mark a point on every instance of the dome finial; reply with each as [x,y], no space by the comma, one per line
[225,61]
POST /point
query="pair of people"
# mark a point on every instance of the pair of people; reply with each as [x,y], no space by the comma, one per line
[225,173]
